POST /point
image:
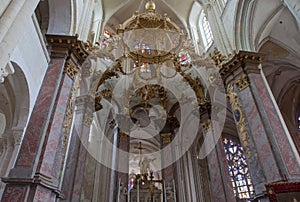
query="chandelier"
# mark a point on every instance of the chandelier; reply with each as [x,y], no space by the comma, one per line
[150,49]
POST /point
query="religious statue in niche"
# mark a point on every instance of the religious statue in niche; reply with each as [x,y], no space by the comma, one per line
[145,165]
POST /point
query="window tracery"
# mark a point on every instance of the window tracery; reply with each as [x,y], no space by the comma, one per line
[207,31]
[184,58]
[238,169]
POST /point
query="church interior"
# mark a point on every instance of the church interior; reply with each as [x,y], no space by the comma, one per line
[150,100]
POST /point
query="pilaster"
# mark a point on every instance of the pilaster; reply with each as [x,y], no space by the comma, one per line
[36,173]
[269,148]
[220,181]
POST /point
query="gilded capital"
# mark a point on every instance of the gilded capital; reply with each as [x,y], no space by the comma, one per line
[166,137]
[244,61]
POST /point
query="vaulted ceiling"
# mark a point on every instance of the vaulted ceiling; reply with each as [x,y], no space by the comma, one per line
[115,12]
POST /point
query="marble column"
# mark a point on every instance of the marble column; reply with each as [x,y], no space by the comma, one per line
[271,153]
[72,183]
[168,172]
[220,181]
[123,158]
[35,176]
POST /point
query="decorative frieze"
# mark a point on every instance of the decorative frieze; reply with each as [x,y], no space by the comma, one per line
[238,61]
[61,45]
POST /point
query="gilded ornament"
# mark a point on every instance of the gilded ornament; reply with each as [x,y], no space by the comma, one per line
[206,125]
[70,69]
[98,105]
[239,118]
[242,82]
[123,136]
[166,137]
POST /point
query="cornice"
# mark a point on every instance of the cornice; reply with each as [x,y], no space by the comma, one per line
[242,60]
[67,46]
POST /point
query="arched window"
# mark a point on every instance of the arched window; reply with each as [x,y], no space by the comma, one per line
[105,39]
[205,30]
[238,169]
[184,58]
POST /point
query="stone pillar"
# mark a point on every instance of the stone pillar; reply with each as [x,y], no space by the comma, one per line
[220,181]
[114,164]
[271,153]
[77,153]
[123,160]
[169,173]
[35,176]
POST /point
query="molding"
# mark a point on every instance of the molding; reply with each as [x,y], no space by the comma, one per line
[241,61]
[64,46]
[38,179]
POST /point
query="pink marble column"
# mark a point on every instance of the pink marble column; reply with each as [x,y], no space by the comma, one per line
[31,152]
[35,176]
[271,153]
[220,181]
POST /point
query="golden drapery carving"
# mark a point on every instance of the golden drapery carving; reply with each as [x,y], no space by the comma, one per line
[239,118]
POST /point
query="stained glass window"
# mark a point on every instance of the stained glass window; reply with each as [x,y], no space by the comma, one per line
[184,58]
[106,38]
[143,49]
[238,169]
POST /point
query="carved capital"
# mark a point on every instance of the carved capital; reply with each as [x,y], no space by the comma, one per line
[166,137]
[206,125]
[67,46]
[5,71]
[242,61]
[88,119]
[123,136]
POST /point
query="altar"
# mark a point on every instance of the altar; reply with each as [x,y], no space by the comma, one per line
[145,189]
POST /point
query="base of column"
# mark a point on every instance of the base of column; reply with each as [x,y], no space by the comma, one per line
[39,186]
[284,191]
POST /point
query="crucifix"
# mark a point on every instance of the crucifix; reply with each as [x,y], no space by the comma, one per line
[140,148]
